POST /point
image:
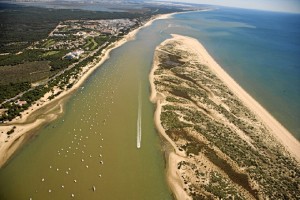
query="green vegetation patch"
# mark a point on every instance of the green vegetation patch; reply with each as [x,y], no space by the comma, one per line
[27,72]
[169,61]
[48,43]
[91,44]
[100,40]
[50,53]
[220,187]
[28,55]
[176,100]
[10,90]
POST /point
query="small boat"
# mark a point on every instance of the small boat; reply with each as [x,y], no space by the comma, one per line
[139,121]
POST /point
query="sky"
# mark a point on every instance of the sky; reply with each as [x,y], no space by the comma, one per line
[271,5]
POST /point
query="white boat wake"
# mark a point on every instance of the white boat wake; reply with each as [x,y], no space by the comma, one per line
[139,120]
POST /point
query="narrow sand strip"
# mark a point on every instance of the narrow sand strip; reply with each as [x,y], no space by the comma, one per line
[281,133]
[173,178]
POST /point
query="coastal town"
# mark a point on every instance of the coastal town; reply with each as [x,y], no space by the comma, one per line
[84,34]
[70,44]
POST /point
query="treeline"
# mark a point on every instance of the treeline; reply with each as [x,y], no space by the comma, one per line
[100,40]
[30,55]
[12,89]
[26,56]
[14,110]
[162,10]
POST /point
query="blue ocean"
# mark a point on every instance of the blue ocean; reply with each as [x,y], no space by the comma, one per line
[260,50]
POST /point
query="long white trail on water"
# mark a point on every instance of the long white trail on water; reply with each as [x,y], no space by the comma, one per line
[139,120]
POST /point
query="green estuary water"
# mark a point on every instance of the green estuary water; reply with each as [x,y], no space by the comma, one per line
[91,152]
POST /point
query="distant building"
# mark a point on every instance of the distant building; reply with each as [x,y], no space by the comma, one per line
[75,54]
[80,33]
[20,103]
[59,35]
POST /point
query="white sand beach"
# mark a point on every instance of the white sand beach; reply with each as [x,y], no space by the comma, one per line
[281,133]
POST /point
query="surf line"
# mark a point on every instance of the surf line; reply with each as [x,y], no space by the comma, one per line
[139,120]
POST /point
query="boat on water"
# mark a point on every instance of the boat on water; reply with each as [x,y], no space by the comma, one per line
[139,121]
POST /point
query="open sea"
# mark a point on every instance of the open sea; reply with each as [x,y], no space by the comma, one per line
[90,152]
[260,50]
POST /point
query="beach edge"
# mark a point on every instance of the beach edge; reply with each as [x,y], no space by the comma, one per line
[281,134]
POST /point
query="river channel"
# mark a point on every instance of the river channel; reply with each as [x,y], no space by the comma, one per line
[90,152]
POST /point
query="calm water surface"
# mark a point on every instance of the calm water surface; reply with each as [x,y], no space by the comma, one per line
[94,142]
[260,50]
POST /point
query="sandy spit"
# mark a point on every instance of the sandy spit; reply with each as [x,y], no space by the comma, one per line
[279,132]
[174,180]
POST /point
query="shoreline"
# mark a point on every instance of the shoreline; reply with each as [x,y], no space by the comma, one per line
[24,126]
[174,156]
[277,129]
[282,135]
